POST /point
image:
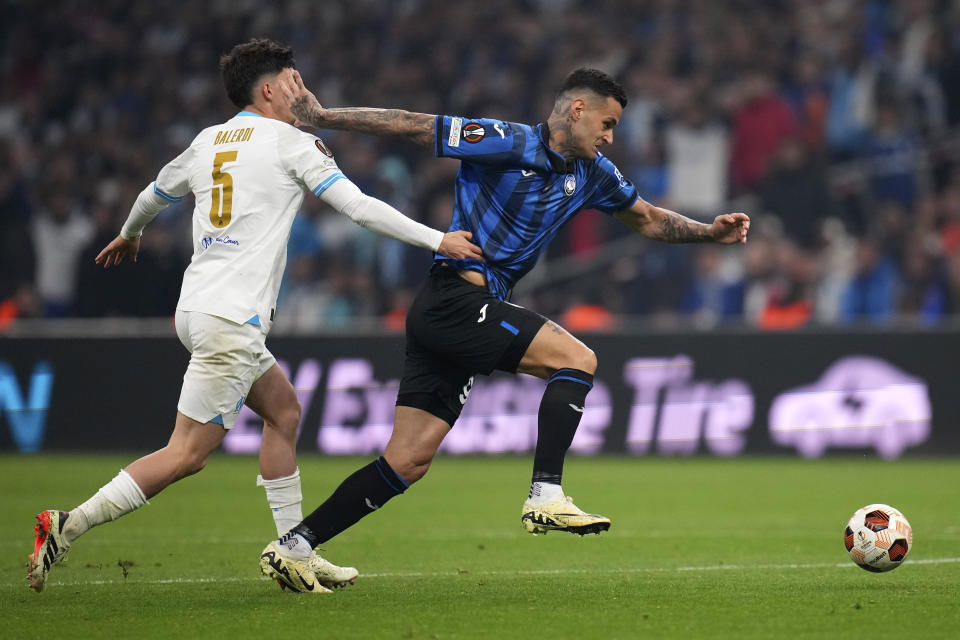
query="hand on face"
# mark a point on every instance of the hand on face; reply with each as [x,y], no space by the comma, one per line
[298,99]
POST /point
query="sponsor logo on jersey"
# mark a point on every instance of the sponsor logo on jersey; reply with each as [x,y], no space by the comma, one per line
[569,184]
[499,129]
[324,149]
[454,138]
[473,132]
[207,242]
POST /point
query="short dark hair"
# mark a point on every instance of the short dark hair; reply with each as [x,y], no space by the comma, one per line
[597,81]
[247,62]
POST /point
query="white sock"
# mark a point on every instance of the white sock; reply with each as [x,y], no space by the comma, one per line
[284,497]
[118,497]
[544,492]
[295,545]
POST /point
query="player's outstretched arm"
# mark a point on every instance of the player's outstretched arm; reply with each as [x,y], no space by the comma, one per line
[664,225]
[148,204]
[383,219]
[418,127]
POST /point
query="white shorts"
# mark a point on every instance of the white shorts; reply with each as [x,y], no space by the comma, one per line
[226,358]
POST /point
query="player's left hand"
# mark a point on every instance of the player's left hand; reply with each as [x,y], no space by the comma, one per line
[118,249]
[730,228]
[459,246]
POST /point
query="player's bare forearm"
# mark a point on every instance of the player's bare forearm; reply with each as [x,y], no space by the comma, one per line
[418,127]
[664,225]
[674,227]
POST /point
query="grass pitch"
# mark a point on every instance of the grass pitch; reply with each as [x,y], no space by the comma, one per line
[748,548]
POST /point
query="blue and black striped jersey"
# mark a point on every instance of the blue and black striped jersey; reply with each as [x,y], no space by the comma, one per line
[514,193]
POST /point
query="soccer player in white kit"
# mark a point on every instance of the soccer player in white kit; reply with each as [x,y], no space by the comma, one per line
[248,176]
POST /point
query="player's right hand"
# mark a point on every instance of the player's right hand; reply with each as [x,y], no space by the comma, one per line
[303,104]
[459,246]
[119,248]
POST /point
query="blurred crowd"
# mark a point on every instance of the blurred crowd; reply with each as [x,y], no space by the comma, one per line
[834,123]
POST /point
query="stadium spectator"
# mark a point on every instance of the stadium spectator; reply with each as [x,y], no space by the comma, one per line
[870,296]
[795,191]
[17,258]
[891,153]
[61,230]
[791,295]
[697,149]
[715,294]
[761,121]
[922,294]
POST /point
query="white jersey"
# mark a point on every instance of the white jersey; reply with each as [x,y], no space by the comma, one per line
[248,176]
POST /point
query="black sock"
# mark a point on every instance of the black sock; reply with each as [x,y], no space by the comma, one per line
[560,411]
[362,493]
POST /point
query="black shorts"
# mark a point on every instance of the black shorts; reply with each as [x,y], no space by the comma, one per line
[456,330]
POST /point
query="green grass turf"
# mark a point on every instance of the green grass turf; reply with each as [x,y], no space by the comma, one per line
[699,548]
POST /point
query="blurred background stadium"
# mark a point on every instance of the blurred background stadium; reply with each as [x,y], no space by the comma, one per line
[834,123]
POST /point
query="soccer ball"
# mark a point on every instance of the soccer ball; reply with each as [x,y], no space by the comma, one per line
[878,538]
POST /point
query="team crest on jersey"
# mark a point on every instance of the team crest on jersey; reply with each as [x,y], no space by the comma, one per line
[323,148]
[473,132]
[569,184]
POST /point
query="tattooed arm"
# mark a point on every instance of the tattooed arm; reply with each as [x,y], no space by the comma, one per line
[418,127]
[667,226]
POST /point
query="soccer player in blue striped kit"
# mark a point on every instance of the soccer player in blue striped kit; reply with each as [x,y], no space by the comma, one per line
[517,186]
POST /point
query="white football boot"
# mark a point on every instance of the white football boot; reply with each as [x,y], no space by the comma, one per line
[330,575]
[561,515]
[289,572]
[310,575]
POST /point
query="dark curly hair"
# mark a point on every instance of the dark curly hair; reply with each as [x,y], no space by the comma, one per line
[247,62]
[597,81]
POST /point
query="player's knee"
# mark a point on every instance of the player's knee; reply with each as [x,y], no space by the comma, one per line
[418,471]
[290,418]
[192,463]
[285,421]
[585,360]
[412,467]
[186,461]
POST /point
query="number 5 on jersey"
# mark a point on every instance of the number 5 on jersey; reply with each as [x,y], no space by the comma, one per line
[221,200]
